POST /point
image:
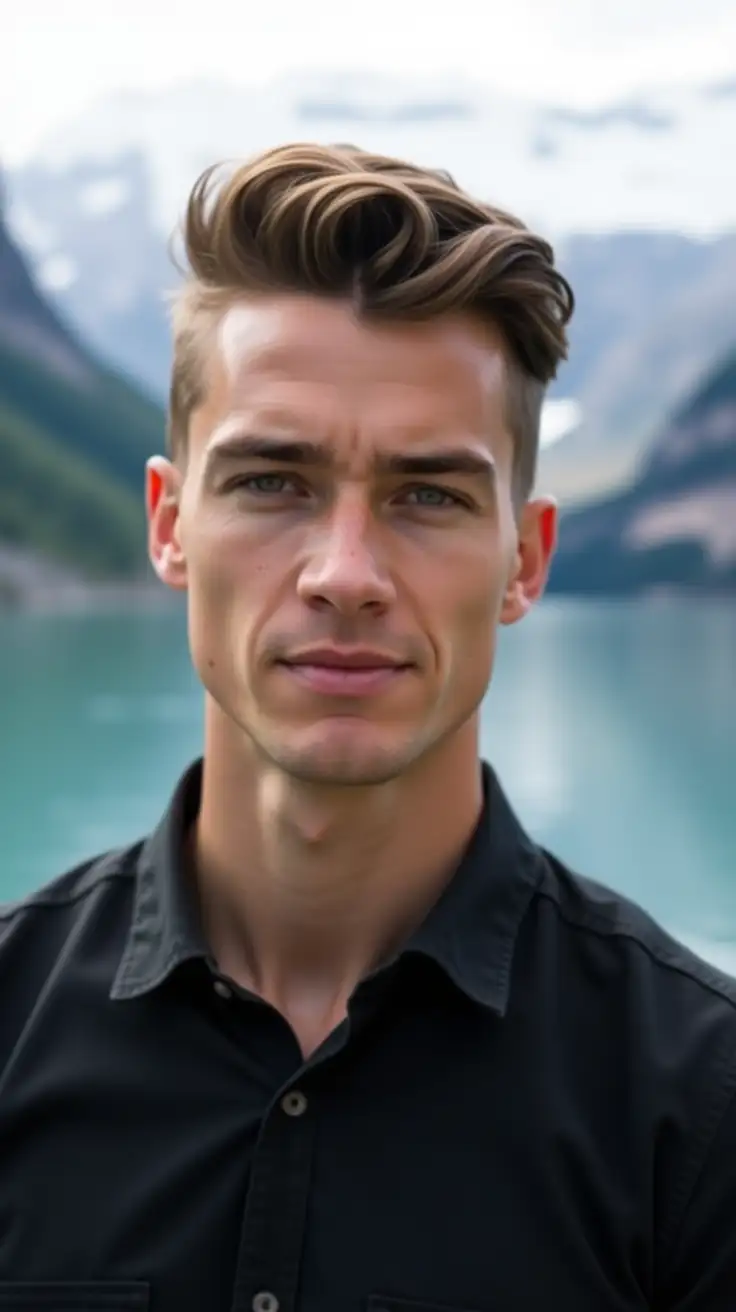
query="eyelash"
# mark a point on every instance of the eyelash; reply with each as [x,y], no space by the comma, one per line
[452,498]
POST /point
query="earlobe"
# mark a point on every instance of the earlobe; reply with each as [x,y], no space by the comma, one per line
[515,602]
[171,567]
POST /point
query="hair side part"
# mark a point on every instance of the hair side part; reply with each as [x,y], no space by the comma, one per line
[396,240]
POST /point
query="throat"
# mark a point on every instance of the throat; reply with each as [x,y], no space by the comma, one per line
[311,1027]
[313,1009]
[304,892]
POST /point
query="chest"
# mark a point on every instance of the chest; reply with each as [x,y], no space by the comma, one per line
[374,1180]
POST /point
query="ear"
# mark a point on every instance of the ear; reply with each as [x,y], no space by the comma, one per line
[163,493]
[536,542]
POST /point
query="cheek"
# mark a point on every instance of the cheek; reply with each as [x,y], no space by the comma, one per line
[224,562]
[473,592]
[235,586]
[467,616]
[475,629]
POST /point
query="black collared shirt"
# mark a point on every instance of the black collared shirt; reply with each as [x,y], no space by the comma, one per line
[531,1107]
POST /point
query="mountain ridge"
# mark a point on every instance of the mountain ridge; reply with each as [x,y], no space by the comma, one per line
[633,193]
[73,440]
[653,160]
[674,527]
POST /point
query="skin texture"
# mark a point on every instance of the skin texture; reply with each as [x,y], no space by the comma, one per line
[352,809]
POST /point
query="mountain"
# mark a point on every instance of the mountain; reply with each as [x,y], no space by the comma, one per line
[634,194]
[674,528]
[28,323]
[654,309]
[655,161]
[74,437]
[107,268]
[88,231]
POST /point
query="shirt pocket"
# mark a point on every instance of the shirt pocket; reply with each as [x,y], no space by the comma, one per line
[382,1303]
[74,1296]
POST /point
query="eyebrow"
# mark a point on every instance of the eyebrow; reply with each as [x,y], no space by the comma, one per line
[286,451]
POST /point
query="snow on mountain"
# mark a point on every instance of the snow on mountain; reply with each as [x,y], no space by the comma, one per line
[653,161]
[28,323]
[57,273]
[675,525]
[89,233]
[104,197]
[635,194]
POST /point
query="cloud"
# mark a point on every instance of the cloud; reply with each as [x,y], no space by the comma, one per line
[57,59]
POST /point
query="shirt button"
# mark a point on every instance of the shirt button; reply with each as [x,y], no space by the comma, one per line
[223,990]
[294,1103]
[265,1302]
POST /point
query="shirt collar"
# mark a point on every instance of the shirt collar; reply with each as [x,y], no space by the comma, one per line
[472,929]
[470,932]
[165,926]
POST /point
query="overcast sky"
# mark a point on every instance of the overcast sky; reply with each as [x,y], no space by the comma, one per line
[58,55]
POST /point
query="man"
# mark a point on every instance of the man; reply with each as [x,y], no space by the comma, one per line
[338,1035]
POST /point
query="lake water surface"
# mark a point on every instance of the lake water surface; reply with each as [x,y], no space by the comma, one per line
[613,729]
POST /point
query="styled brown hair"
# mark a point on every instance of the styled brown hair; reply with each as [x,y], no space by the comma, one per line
[395,240]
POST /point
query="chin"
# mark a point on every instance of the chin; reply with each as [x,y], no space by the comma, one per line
[341,756]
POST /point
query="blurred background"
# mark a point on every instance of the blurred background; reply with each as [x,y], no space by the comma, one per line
[611,128]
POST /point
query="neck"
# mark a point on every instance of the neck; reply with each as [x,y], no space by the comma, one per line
[304,889]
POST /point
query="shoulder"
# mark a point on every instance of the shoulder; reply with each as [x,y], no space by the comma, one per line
[594,913]
[40,930]
[65,897]
[632,969]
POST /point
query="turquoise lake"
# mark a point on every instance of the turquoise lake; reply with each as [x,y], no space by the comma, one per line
[613,728]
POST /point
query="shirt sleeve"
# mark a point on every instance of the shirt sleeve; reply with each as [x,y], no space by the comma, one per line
[700,1270]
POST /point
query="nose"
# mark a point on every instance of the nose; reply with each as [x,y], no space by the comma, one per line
[343,569]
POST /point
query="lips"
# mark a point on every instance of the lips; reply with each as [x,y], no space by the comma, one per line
[335,673]
[334,659]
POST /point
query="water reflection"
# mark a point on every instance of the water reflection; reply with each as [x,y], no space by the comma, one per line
[613,729]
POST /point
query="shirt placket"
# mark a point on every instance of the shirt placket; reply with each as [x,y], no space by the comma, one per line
[267,1274]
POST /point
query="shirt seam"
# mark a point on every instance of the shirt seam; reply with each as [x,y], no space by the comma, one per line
[661,958]
[45,903]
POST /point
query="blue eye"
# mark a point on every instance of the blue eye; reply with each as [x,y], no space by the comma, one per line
[429,497]
[264,484]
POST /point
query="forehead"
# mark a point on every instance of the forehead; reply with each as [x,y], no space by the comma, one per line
[307,364]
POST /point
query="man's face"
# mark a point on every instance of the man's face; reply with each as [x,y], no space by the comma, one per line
[346,533]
